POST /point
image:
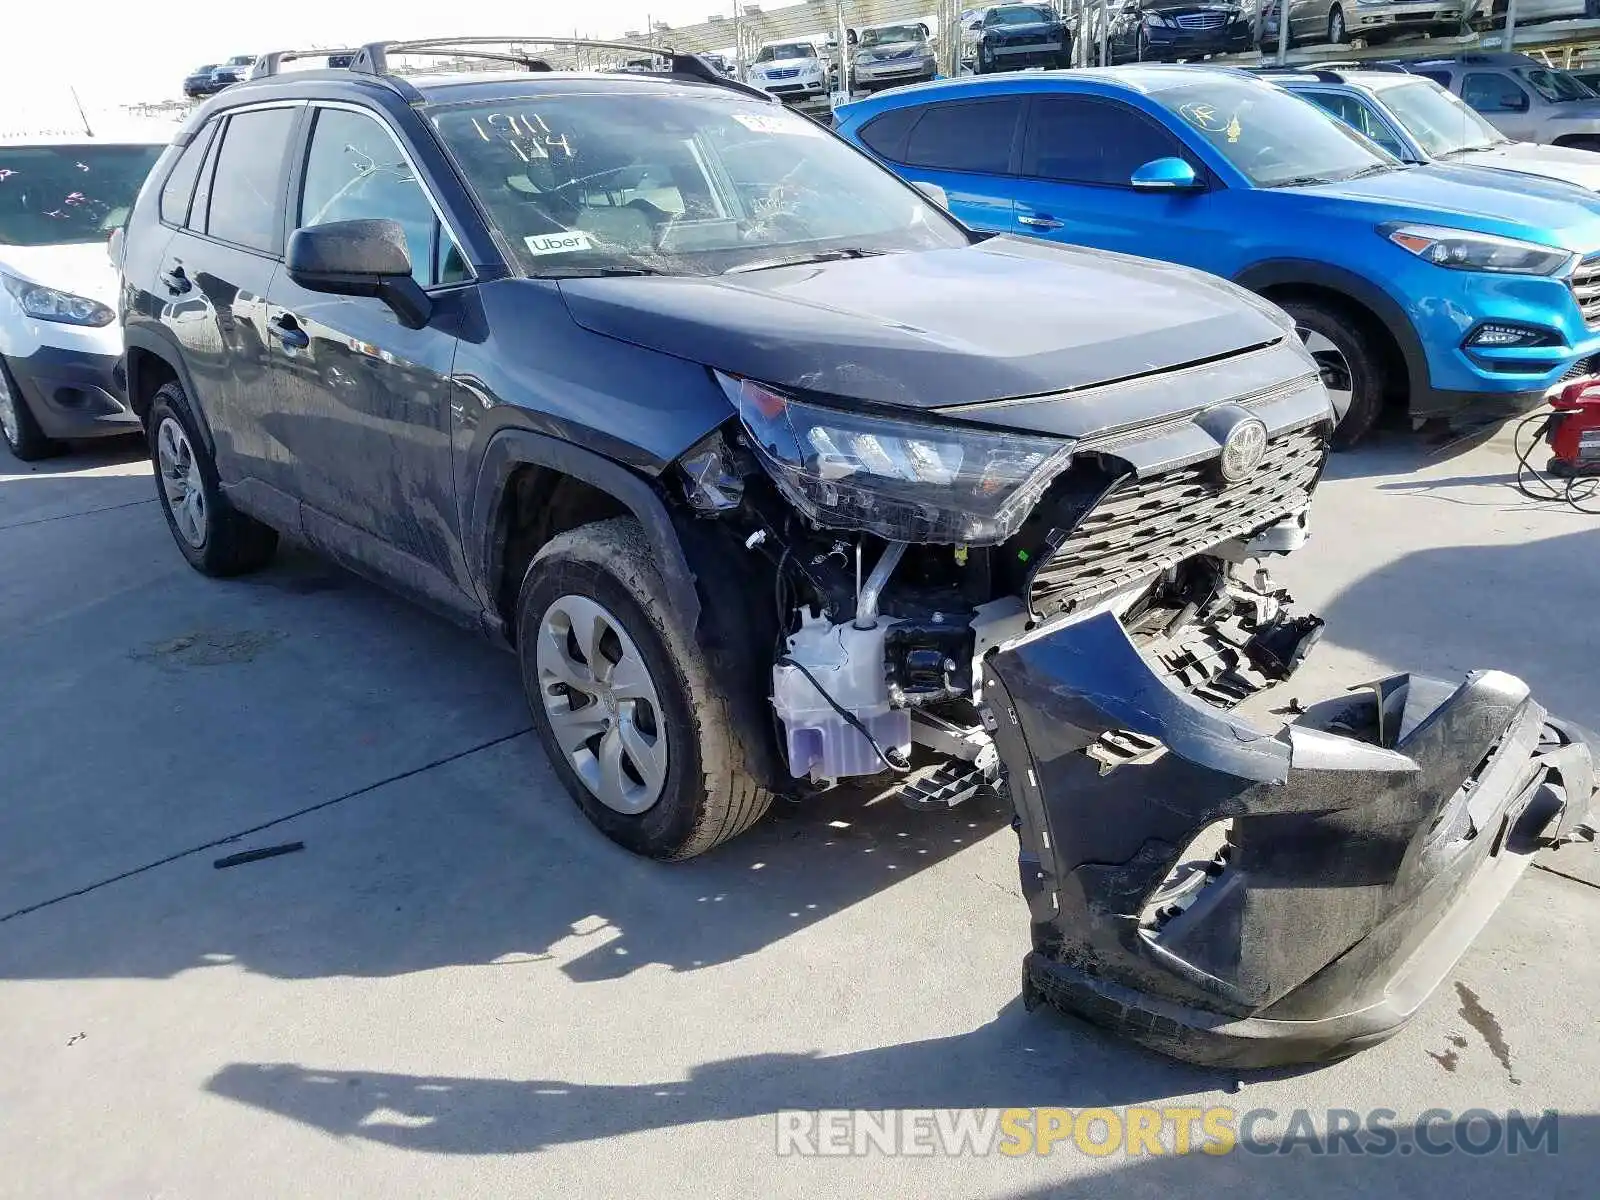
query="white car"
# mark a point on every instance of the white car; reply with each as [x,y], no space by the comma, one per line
[792,71]
[60,342]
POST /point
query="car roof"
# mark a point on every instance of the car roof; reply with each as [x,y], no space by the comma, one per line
[466,86]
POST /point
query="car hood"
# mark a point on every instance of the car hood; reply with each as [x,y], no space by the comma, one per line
[1001,319]
[83,269]
[1575,110]
[1005,31]
[1476,198]
[891,49]
[1581,167]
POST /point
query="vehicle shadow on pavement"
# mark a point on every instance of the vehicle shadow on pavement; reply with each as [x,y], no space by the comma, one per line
[1514,607]
[1016,1059]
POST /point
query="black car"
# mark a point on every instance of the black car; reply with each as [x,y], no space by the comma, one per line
[199,82]
[1175,30]
[1021,35]
[773,476]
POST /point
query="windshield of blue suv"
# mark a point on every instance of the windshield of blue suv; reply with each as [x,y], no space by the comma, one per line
[1274,138]
[1442,123]
[627,182]
[59,195]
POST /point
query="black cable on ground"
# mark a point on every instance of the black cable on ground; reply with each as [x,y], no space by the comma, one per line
[1540,485]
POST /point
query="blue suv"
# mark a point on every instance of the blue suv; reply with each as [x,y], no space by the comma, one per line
[1434,286]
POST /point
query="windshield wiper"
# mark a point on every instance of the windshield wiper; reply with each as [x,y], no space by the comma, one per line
[1374,169]
[1301,181]
[598,272]
[800,260]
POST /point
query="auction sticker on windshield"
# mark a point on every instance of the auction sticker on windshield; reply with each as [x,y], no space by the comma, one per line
[776,123]
[570,242]
[1203,116]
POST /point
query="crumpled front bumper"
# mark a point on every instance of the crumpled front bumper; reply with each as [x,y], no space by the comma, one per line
[1340,865]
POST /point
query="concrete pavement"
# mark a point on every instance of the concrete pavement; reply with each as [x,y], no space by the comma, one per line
[458,988]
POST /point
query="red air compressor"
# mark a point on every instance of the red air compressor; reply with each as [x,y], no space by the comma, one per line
[1572,430]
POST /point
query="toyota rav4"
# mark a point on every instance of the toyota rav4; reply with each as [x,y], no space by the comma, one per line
[774,475]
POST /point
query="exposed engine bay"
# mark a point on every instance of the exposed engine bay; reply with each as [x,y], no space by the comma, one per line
[1219,892]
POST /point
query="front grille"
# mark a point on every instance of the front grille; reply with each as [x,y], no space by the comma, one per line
[1584,366]
[1586,288]
[1202,20]
[786,73]
[1027,39]
[1144,526]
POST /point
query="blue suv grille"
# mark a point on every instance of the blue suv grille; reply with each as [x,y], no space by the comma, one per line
[1586,288]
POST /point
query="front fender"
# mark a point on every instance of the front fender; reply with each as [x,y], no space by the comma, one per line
[513,448]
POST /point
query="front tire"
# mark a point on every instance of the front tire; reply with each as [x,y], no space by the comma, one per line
[26,441]
[1349,363]
[624,700]
[1337,33]
[213,536]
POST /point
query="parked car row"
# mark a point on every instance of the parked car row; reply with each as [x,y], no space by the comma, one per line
[211,78]
[772,474]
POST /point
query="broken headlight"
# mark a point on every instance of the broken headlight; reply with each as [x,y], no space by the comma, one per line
[900,479]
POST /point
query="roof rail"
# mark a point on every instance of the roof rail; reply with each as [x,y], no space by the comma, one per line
[272,64]
[1321,73]
[373,58]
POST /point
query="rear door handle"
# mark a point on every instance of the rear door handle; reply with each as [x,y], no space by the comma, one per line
[175,281]
[1039,221]
[289,331]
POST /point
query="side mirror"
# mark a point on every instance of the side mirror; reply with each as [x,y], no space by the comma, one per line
[935,193]
[1165,175]
[359,258]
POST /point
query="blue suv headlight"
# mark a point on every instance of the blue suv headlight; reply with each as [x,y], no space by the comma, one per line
[1464,250]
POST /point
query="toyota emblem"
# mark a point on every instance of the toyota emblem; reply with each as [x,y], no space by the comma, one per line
[1243,450]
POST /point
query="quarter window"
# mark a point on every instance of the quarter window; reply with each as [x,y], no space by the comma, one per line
[179,188]
[1488,92]
[973,136]
[1073,140]
[247,187]
[355,171]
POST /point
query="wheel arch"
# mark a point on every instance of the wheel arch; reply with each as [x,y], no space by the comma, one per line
[151,361]
[531,487]
[1381,313]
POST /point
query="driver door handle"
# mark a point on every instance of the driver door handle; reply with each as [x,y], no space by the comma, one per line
[289,331]
[1039,221]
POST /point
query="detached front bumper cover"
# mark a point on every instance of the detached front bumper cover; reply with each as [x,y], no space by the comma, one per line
[1358,850]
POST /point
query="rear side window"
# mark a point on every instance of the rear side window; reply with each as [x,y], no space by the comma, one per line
[179,188]
[247,188]
[973,136]
[1076,140]
[1442,78]
[1488,92]
[885,136]
[1358,116]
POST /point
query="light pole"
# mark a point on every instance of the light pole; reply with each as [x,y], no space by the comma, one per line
[1283,31]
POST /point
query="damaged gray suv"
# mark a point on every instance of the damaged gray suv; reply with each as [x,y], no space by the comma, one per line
[776,477]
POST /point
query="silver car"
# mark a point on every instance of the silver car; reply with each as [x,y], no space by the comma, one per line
[1521,97]
[1338,21]
[889,55]
[1416,120]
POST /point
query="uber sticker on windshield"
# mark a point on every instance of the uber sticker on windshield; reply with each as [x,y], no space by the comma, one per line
[570,242]
[772,123]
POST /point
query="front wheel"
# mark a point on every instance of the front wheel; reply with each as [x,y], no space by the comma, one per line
[1336,29]
[624,700]
[24,438]
[1349,365]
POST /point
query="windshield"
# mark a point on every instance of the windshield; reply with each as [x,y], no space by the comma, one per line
[1442,123]
[787,50]
[678,185]
[1555,86]
[58,195]
[1274,138]
[1017,15]
[891,34]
